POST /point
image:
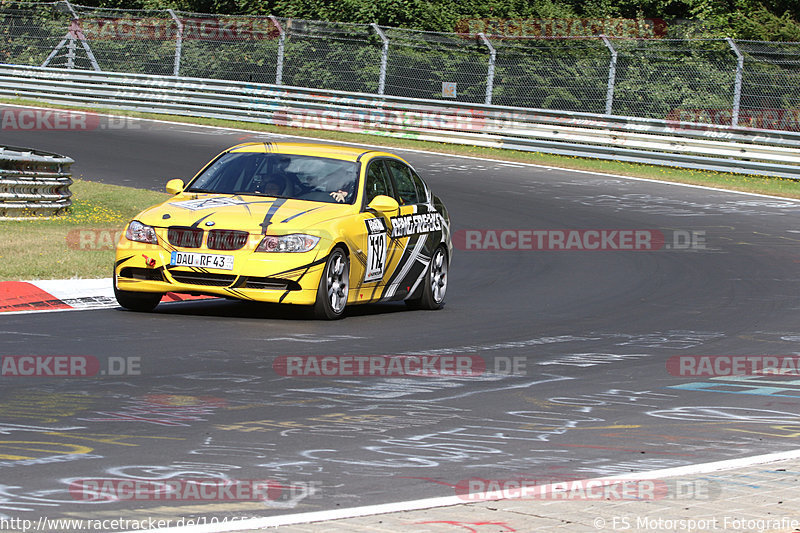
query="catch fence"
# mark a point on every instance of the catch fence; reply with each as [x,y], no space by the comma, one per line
[711,81]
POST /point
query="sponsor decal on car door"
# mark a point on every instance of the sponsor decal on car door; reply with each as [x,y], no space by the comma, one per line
[377,243]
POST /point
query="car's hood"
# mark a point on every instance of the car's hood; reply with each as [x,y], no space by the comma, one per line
[254,214]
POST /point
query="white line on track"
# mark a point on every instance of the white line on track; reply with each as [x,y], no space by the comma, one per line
[447,501]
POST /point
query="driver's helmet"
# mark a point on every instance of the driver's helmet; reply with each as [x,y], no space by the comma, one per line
[283,164]
[275,185]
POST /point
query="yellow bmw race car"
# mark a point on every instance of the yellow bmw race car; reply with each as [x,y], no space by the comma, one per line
[306,224]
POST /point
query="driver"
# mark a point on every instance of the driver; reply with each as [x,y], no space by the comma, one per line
[275,185]
[279,181]
[345,185]
[285,179]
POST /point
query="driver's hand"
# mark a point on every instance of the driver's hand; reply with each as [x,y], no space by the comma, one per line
[339,195]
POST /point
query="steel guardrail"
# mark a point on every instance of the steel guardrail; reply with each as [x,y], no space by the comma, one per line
[33,183]
[629,139]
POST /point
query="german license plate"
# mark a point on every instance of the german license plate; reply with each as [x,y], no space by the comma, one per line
[193,259]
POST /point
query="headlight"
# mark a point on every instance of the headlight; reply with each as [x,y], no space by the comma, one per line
[141,233]
[287,243]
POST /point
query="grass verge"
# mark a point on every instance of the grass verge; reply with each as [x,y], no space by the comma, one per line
[79,244]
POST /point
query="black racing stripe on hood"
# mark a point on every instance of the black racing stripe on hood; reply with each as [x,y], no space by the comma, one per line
[197,223]
[277,204]
[299,214]
[245,205]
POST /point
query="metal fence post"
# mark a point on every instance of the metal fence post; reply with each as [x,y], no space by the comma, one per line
[490,72]
[176,69]
[74,33]
[737,86]
[281,44]
[71,53]
[612,75]
[384,58]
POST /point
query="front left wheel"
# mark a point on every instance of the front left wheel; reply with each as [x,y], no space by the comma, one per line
[136,301]
[334,286]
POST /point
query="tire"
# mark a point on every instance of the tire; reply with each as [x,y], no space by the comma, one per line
[435,283]
[136,301]
[334,286]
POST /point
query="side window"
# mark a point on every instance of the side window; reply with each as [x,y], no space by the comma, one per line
[378,181]
[406,190]
[422,191]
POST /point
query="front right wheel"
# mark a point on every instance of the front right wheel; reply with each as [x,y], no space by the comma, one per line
[334,286]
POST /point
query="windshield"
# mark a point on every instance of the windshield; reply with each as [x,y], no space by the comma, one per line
[280,175]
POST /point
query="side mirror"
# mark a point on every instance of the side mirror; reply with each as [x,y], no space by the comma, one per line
[175,186]
[384,204]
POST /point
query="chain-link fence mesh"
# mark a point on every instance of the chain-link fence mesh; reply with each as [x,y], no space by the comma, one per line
[227,47]
[565,74]
[140,42]
[770,85]
[655,78]
[426,65]
[327,55]
[30,32]
[755,84]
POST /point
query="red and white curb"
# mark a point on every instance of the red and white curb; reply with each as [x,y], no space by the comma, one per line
[18,297]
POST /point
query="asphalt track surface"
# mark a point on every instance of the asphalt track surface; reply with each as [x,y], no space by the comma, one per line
[594,330]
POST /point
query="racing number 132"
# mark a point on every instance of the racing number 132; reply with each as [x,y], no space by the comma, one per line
[378,251]
[376,257]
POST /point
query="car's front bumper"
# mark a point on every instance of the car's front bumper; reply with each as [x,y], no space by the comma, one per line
[291,278]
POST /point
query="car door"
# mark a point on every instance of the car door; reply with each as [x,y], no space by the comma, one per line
[375,247]
[414,232]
